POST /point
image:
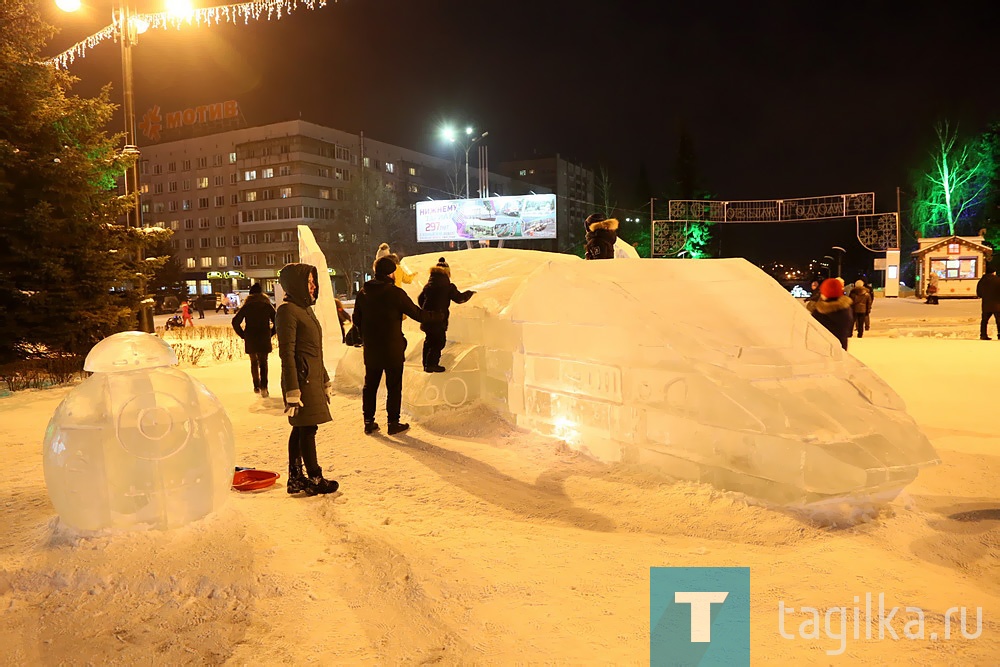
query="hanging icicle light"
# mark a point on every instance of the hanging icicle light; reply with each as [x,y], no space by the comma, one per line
[181,13]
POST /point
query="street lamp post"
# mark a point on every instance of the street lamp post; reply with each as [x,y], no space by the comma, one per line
[449,134]
[126,26]
[840,257]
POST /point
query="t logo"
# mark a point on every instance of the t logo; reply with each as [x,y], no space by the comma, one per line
[699,616]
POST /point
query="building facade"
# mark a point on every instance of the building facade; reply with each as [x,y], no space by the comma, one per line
[573,185]
[235,198]
[958,262]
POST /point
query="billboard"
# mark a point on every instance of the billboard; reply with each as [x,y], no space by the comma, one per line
[493,218]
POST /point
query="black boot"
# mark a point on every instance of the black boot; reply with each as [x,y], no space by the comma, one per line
[317,485]
[370,427]
[296,480]
[396,427]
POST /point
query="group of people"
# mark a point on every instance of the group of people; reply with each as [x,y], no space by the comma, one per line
[379,310]
[842,314]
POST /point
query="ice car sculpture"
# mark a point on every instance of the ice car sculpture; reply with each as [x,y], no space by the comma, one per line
[705,369]
[138,442]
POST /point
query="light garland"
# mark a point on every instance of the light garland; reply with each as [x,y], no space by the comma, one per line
[254,10]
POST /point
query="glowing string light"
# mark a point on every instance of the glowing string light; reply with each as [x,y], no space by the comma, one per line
[247,11]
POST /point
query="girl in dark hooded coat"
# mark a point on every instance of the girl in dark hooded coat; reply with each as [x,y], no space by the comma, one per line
[602,233]
[304,381]
[437,295]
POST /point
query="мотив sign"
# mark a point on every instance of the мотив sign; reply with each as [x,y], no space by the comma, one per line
[153,122]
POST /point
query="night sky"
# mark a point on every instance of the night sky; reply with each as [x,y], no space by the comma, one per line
[781,99]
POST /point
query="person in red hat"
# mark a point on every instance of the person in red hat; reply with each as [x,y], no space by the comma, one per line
[833,310]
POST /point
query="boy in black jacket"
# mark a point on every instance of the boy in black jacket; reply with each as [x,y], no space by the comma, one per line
[437,296]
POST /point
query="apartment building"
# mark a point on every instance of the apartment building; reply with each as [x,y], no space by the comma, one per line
[573,185]
[235,198]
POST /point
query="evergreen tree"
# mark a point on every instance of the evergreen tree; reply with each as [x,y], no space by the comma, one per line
[62,253]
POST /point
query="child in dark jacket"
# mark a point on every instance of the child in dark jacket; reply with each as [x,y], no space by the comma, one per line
[834,310]
[602,233]
[437,295]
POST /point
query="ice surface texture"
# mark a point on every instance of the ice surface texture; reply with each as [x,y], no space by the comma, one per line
[138,442]
[705,369]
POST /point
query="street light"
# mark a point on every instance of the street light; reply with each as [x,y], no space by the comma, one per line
[840,256]
[450,135]
[126,26]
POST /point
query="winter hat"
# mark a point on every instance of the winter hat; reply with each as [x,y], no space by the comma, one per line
[443,265]
[859,283]
[256,288]
[831,289]
[384,266]
[382,251]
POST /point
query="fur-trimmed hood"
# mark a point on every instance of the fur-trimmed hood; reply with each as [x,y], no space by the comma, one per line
[610,223]
[440,270]
[825,307]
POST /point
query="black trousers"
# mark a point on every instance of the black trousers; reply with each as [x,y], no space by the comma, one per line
[302,449]
[258,369]
[984,324]
[393,386]
[859,323]
[434,341]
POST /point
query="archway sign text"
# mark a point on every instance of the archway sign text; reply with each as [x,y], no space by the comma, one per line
[877,232]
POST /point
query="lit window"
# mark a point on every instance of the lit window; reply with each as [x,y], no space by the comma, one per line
[206,262]
[222,261]
[366,162]
[523,172]
[324,193]
[232,158]
[175,225]
[191,264]
[390,168]
[285,193]
[954,248]
[250,175]
[267,173]
[412,188]
[251,195]
[413,171]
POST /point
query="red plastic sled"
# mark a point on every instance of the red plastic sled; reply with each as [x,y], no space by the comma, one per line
[253,480]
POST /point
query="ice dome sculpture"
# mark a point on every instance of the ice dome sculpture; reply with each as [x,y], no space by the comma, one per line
[705,369]
[138,442]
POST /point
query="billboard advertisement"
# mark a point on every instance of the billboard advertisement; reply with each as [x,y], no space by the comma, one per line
[493,218]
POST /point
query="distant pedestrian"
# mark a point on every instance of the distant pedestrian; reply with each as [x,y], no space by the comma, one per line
[199,305]
[871,302]
[186,313]
[932,289]
[258,315]
[305,384]
[437,296]
[814,294]
[861,302]
[378,315]
[833,310]
[222,303]
[988,289]
[602,233]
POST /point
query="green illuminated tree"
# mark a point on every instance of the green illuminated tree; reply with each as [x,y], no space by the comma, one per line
[64,259]
[698,234]
[952,190]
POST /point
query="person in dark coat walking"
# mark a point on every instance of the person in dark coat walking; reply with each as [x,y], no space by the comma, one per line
[861,304]
[988,289]
[378,315]
[305,384]
[258,315]
[437,295]
[602,233]
[833,310]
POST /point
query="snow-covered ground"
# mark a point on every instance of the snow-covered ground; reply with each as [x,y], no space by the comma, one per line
[466,541]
